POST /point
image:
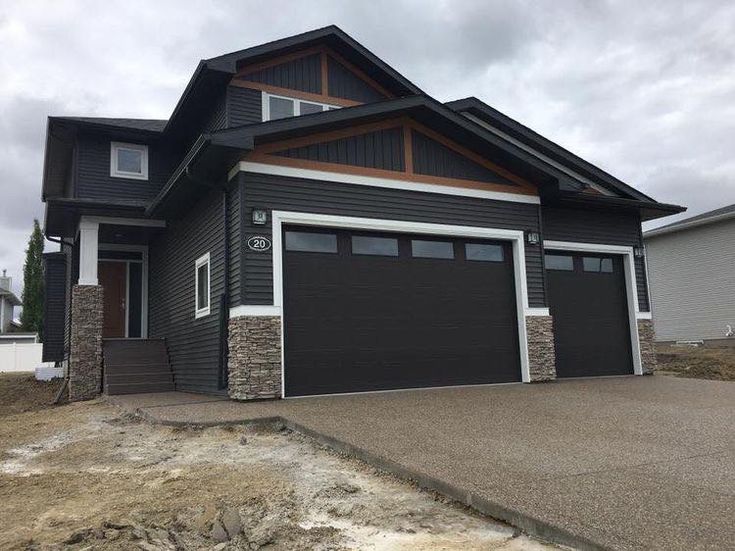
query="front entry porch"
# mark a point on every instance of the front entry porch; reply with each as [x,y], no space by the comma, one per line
[109,346]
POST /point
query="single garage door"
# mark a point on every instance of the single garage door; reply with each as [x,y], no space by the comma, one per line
[366,311]
[588,303]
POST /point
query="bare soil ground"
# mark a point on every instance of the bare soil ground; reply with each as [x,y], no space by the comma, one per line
[86,476]
[700,362]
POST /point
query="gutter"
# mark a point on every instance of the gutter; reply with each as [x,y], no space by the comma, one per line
[684,225]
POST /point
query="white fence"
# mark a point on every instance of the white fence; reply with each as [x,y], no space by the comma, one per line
[21,357]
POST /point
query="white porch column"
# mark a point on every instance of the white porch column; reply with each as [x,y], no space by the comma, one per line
[88,251]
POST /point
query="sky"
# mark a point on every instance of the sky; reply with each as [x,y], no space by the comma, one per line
[644,90]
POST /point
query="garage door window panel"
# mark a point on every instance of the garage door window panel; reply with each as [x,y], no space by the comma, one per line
[311,242]
[432,249]
[559,262]
[484,252]
[374,246]
[597,264]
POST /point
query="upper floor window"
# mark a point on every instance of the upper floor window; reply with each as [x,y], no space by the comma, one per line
[281,107]
[129,160]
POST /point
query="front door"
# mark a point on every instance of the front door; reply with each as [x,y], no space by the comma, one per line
[113,278]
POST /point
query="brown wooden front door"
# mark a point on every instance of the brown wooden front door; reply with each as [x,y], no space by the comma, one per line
[112,277]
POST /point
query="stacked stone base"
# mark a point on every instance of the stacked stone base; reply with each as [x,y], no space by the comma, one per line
[541,352]
[85,358]
[254,362]
[646,338]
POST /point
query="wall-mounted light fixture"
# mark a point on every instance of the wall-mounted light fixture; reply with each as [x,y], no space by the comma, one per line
[260,216]
[533,237]
[639,252]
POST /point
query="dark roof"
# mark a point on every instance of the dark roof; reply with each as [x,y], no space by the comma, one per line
[543,145]
[149,125]
[211,73]
[233,142]
[709,217]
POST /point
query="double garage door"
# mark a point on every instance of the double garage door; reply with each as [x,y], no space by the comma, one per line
[367,311]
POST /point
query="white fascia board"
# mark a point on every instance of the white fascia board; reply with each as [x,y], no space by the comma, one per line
[355,179]
[255,310]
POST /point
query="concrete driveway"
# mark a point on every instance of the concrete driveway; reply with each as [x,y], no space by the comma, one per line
[623,463]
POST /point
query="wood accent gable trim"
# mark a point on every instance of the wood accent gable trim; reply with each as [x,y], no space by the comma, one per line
[240,79]
[265,154]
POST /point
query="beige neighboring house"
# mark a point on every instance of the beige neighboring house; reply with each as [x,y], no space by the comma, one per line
[8,301]
[691,267]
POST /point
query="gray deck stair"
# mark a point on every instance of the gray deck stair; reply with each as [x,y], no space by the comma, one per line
[136,365]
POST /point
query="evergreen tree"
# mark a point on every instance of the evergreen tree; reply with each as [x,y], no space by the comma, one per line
[31,317]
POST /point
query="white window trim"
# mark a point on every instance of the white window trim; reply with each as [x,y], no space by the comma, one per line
[201,261]
[297,105]
[115,173]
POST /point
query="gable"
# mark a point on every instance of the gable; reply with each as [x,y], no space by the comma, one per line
[397,149]
[317,74]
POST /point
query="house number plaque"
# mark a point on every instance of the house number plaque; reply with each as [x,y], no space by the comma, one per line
[259,243]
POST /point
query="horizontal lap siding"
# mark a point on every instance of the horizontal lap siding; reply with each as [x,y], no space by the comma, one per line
[234,223]
[193,344]
[591,226]
[244,106]
[291,194]
[54,312]
[93,180]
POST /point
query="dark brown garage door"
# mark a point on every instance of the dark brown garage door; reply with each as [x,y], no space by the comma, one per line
[365,311]
[588,303]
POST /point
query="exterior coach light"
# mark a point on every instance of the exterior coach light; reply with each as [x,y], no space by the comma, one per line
[260,216]
[639,252]
[533,238]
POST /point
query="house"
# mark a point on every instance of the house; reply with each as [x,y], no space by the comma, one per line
[8,302]
[690,264]
[308,221]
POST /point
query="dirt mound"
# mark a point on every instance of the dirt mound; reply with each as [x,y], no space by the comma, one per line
[20,392]
[700,362]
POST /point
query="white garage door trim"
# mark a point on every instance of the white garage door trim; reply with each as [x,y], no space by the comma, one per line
[631,289]
[279,218]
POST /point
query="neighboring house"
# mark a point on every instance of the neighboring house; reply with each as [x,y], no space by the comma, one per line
[691,264]
[8,302]
[309,221]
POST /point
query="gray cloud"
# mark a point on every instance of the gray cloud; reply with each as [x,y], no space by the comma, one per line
[646,90]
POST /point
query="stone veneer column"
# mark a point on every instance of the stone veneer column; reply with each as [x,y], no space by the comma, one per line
[541,355]
[646,335]
[254,362]
[85,359]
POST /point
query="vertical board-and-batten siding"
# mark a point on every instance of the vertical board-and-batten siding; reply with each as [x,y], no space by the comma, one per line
[303,74]
[693,282]
[596,226]
[382,149]
[193,344]
[293,194]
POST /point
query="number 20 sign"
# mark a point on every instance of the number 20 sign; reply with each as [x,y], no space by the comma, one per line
[259,243]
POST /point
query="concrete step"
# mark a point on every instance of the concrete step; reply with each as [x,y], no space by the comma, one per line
[136,365]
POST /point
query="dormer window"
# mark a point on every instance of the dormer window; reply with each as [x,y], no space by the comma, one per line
[128,160]
[281,107]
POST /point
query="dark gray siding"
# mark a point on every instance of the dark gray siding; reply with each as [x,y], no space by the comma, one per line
[234,223]
[303,74]
[93,180]
[595,226]
[381,149]
[217,119]
[54,314]
[244,106]
[72,276]
[435,159]
[350,200]
[343,83]
[193,344]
